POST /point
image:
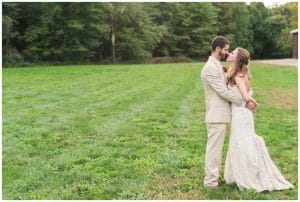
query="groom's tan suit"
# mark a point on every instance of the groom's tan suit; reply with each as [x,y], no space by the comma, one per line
[218,114]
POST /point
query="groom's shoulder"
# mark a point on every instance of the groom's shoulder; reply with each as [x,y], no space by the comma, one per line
[209,65]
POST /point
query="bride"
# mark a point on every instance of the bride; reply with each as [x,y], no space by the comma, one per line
[248,163]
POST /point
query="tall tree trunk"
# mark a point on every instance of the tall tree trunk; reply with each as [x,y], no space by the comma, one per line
[113,38]
[113,48]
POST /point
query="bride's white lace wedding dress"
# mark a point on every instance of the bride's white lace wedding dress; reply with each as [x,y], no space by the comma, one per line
[248,163]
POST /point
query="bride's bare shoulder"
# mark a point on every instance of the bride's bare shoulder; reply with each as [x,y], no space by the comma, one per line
[241,77]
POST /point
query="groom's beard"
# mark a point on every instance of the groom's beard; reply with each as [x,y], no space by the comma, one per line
[223,57]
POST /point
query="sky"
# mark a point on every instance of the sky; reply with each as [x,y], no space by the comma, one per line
[269,3]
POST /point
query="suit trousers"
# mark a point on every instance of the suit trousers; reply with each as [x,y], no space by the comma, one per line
[215,140]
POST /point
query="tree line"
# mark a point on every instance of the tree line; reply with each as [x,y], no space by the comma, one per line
[95,32]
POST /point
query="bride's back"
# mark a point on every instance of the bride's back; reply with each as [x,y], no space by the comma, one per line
[242,103]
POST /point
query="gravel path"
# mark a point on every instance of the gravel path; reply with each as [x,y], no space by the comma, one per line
[288,61]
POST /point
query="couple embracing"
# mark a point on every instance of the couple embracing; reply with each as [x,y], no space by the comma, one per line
[229,99]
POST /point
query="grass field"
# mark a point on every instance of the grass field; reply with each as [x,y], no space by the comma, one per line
[130,131]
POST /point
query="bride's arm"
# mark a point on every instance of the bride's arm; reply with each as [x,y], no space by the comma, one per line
[242,88]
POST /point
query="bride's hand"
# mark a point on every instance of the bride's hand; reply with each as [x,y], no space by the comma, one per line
[251,105]
[255,102]
[251,99]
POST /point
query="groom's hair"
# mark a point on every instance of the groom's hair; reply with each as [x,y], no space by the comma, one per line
[220,41]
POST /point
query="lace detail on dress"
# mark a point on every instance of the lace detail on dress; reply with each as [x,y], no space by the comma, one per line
[248,163]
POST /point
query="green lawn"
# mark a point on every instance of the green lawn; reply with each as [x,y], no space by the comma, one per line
[130,131]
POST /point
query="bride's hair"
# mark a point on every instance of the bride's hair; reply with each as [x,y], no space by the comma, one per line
[240,66]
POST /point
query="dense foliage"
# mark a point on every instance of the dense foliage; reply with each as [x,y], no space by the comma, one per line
[78,32]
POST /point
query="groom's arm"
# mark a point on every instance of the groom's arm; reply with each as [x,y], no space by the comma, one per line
[217,83]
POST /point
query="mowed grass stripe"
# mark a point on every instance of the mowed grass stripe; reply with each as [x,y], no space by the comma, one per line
[157,152]
[85,103]
[180,154]
[155,155]
[63,122]
[60,94]
[112,124]
[126,145]
[37,121]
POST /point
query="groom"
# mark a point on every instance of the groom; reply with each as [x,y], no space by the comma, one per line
[218,111]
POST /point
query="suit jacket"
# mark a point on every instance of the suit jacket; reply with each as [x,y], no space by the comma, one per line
[217,95]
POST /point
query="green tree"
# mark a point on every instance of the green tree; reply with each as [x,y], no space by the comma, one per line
[275,25]
[66,32]
[259,14]
[135,34]
[190,28]
[289,11]
[198,28]
[162,15]
[10,33]
[80,32]
[234,22]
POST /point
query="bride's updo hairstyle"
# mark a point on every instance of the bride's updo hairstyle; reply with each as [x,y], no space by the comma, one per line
[240,66]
